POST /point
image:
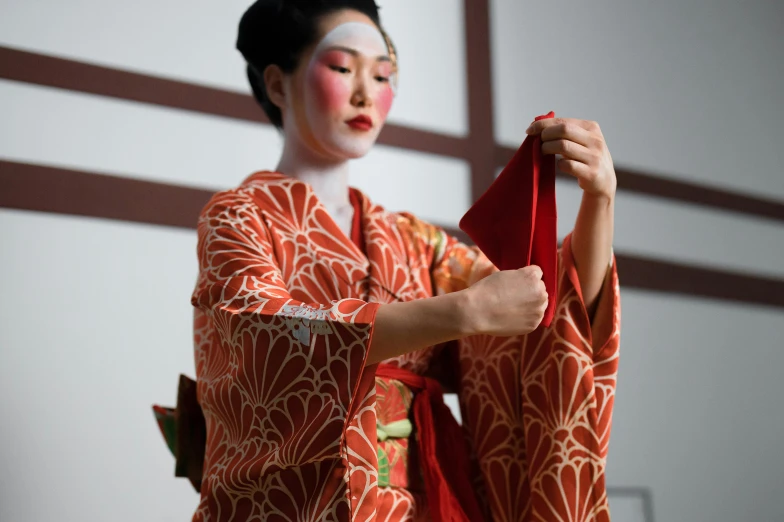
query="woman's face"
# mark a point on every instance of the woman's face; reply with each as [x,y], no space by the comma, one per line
[342,92]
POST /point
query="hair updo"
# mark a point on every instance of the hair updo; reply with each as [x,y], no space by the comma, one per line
[278,31]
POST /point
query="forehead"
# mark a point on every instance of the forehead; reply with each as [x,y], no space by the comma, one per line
[365,38]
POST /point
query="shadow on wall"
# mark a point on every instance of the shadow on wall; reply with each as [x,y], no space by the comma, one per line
[631,504]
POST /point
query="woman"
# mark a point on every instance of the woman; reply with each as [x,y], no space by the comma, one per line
[318,313]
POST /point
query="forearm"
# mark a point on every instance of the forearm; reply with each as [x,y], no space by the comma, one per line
[401,328]
[592,241]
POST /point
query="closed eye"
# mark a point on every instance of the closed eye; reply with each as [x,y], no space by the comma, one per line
[382,79]
[341,70]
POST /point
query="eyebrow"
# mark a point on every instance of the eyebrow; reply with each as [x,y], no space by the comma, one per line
[354,52]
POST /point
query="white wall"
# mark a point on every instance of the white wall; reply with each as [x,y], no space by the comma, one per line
[95,315]
[692,91]
[95,328]
[698,408]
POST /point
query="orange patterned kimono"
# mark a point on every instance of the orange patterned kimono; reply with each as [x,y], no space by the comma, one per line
[298,426]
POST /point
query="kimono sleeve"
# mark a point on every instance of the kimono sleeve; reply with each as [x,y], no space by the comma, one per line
[279,379]
[537,409]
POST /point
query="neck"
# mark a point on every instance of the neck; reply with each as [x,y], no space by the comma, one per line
[328,178]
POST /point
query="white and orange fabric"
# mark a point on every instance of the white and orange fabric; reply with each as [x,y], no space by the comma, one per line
[285,306]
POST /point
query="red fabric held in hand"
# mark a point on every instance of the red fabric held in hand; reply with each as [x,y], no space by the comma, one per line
[514,223]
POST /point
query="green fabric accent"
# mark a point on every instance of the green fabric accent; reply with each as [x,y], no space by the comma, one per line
[440,246]
[394,430]
[168,427]
[383,467]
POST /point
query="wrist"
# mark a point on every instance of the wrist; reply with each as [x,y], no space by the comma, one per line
[467,313]
[599,199]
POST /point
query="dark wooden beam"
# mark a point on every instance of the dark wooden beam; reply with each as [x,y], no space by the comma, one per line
[680,191]
[71,75]
[75,76]
[63,191]
[481,140]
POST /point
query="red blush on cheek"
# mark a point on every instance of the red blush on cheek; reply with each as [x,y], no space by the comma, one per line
[329,87]
[384,95]
[384,101]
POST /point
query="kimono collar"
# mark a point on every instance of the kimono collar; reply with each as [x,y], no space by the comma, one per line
[375,232]
[376,256]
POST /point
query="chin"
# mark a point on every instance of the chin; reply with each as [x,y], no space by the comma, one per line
[351,155]
[352,148]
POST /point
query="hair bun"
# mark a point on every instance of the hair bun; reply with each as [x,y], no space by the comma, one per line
[264,26]
[257,31]
[277,32]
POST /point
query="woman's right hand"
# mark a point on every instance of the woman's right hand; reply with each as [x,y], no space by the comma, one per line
[506,303]
[503,304]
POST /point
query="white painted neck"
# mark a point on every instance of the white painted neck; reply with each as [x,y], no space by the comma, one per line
[328,178]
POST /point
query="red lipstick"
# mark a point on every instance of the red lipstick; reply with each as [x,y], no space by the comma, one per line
[361,122]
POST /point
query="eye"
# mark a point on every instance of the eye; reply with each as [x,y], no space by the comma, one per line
[382,79]
[341,70]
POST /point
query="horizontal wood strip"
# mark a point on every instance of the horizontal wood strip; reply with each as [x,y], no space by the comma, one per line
[682,279]
[50,71]
[63,191]
[41,69]
[680,191]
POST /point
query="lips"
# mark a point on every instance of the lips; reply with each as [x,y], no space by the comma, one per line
[361,122]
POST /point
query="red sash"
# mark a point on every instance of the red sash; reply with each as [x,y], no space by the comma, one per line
[443,450]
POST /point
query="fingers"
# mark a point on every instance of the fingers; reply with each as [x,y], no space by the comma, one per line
[544,295]
[582,150]
[534,270]
[569,149]
[537,127]
[577,140]
[576,168]
[537,273]
[572,133]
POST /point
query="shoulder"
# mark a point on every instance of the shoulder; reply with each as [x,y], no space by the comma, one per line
[423,237]
[407,224]
[261,190]
[421,230]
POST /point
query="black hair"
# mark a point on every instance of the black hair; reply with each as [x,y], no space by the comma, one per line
[278,31]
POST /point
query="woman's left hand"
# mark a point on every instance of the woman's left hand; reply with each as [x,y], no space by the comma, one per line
[584,152]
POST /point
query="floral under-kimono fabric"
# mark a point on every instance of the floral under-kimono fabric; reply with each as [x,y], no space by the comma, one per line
[299,427]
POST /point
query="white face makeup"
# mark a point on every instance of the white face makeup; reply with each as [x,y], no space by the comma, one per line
[360,37]
[348,89]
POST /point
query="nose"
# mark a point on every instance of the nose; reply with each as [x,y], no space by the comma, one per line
[361,95]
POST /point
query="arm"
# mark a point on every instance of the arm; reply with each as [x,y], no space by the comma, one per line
[592,240]
[409,326]
[584,155]
[504,303]
[241,288]
[281,382]
[471,297]
[258,347]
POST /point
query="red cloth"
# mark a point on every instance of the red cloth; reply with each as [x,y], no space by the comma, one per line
[514,223]
[443,450]
[357,237]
